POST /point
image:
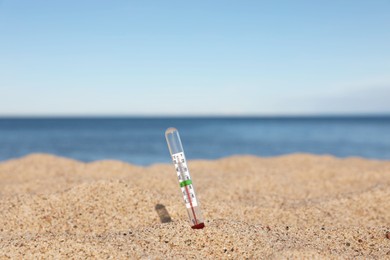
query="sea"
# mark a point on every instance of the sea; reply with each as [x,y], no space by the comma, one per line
[141,140]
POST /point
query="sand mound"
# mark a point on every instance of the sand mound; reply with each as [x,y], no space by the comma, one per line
[297,206]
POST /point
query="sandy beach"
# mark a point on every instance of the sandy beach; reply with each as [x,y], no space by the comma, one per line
[295,206]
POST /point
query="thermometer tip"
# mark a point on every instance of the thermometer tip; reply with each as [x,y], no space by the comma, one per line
[170,130]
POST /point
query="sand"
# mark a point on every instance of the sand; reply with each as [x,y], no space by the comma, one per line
[296,206]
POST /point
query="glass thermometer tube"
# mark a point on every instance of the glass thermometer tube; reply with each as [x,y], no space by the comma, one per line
[185,181]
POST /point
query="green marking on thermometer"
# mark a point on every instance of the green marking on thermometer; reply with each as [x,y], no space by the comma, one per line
[185,183]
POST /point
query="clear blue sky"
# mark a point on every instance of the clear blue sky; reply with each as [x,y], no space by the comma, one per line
[194,57]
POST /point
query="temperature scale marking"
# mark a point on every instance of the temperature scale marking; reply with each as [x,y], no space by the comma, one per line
[185,180]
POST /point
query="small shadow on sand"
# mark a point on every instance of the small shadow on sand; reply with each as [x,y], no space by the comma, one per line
[163,213]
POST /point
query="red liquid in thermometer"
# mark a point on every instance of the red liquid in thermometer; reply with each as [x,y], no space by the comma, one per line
[185,181]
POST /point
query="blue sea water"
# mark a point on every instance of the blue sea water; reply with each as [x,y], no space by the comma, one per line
[141,140]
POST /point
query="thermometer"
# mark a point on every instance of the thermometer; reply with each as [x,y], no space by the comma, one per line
[185,181]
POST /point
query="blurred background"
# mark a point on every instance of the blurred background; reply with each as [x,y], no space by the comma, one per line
[94,80]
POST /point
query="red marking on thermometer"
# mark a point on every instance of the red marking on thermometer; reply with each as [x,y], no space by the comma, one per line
[185,181]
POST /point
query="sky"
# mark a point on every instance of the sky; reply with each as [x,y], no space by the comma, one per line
[163,58]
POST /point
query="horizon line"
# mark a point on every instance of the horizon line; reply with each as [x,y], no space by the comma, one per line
[97,116]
